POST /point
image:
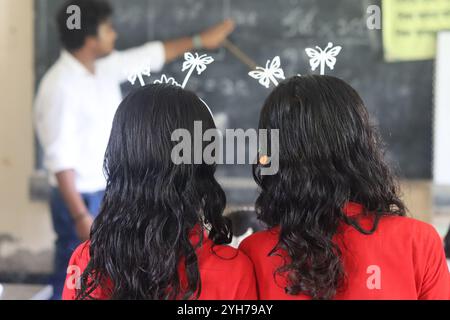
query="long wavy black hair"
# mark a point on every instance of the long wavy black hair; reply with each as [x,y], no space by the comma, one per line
[329,154]
[141,235]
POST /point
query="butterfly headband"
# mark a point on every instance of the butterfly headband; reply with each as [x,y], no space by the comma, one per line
[192,62]
[273,70]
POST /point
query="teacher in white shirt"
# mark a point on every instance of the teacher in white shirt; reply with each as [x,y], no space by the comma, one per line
[74,109]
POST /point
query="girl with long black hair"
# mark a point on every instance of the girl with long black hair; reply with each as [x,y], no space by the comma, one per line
[160,233]
[337,226]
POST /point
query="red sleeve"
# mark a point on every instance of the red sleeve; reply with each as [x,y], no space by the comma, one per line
[77,264]
[436,278]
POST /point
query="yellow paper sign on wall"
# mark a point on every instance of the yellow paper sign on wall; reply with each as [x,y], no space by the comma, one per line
[410,26]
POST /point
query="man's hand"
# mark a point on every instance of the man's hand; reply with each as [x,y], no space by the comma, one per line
[213,37]
[83,224]
[75,203]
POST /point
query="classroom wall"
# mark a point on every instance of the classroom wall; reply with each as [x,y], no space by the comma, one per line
[27,221]
[441,168]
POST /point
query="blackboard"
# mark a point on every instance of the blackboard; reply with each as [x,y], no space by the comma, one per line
[398,95]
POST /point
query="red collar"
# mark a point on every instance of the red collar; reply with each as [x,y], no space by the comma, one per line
[349,209]
[352,209]
[194,234]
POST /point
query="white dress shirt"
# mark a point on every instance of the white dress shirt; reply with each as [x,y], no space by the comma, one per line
[74,110]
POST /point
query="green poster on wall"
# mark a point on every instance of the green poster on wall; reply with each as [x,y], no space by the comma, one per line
[410,26]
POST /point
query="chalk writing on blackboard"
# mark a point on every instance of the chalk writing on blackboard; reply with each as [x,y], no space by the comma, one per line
[299,23]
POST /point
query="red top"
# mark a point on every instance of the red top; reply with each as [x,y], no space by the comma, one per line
[226,273]
[403,259]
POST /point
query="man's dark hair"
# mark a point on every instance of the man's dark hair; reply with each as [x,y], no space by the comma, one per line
[93,13]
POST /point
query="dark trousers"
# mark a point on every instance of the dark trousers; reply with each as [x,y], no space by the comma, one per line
[66,238]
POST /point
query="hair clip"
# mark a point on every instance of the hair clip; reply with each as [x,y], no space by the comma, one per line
[138,74]
[165,79]
[193,62]
[264,160]
[269,74]
[323,57]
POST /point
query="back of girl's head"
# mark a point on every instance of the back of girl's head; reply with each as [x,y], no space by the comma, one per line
[140,145]
[329,154]
[151,204]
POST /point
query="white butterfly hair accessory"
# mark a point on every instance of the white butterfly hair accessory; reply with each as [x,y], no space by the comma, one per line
[194,62]
[270,73]
[323,57]
[168,80]
[138,74]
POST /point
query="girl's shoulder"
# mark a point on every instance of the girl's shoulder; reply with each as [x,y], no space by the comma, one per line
[81,254]
[223,256]
[404,225]
[261,241]
[227,273]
